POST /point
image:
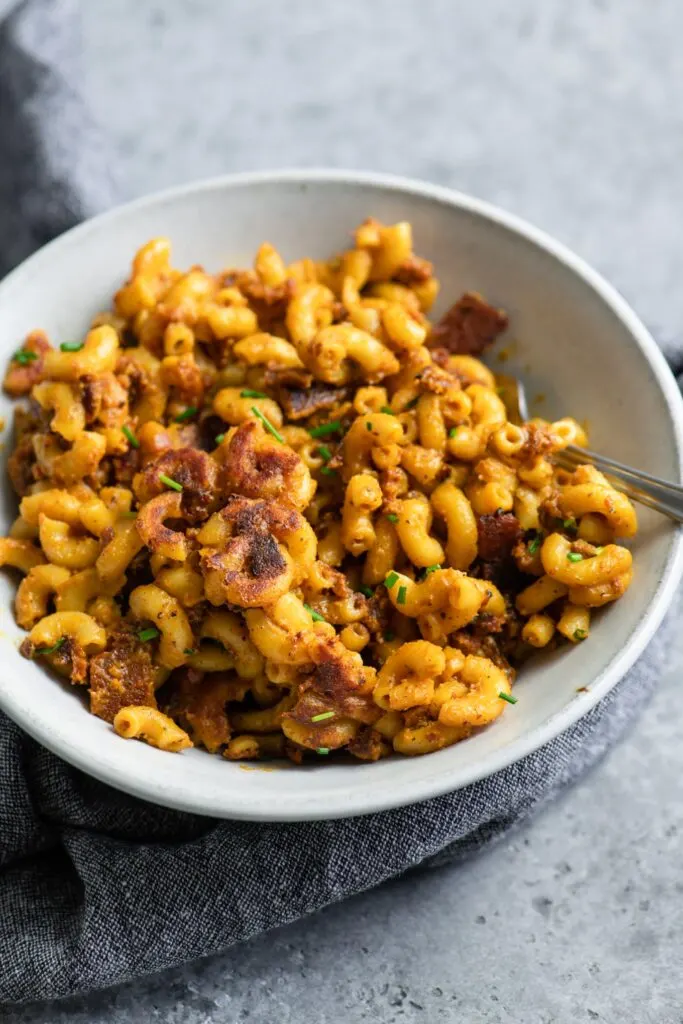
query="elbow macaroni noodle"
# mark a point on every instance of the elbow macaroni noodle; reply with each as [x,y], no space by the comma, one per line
[276,511]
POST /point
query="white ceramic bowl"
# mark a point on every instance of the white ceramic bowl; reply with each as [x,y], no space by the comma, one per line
[572,338]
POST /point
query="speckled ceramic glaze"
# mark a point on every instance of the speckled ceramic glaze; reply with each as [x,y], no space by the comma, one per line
[574,341]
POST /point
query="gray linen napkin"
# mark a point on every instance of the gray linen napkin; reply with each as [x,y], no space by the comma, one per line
[96,887]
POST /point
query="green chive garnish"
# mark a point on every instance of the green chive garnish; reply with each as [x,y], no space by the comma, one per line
[569,524]
[148,634]
[390,580]
[187,414]
[173,484]
[431,568]
[387,410]
[189,650]
[325,452]
[268,425]
[327,471]
[219,438]
[508,697]
[25,356]
[248,393]
[402,591]
[132,439]
[534,545]
[412,403]
[366,591]
[314,615]
[72,346]
[322,750]
[580,634]
[574,556]
[453,431]
[326,428]
[51,650]
[368,425]
[392,517]
[130,514]
[322,716]
[388,637]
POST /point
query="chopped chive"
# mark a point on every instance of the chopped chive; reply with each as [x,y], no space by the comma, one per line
[130,514]
[574,556]
[268,425]
[534,545]
[402,591]
[392,517]
[248,393]
[325,452]
[387,410]
[148,634]
[390,580]
[132,439]
[187,414]
[599,551]
[569,524]
[580,634]
[508,697]
[389,636]
[325,428]
[432,568]
[314,615]
[368,425]
[412,403]
[327,471]
[453,431]
[366,591]
[51,650]
[72,346]
[322,750]
[173,484]
[322,716]
[25,356]
[219,438]
[189,650]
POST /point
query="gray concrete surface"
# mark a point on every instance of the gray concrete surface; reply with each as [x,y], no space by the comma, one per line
[571,115]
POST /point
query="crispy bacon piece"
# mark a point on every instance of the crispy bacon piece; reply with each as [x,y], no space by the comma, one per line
[21,377]
[414,270]
[122,675]
[469,327]
[194,470]
[498,534]
[254,464]
[300,403]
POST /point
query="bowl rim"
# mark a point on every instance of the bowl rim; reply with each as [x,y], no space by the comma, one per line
[366,799]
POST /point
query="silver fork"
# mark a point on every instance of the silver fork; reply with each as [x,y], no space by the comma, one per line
[658,494]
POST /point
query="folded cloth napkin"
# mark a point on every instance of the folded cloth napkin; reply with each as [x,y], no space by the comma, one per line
[96,887]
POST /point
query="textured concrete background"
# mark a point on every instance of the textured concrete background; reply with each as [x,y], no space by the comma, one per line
[571,115]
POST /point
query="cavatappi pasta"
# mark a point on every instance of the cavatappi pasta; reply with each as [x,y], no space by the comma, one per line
[276,512]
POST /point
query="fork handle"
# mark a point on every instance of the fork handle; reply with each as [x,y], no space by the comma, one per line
[648,490]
